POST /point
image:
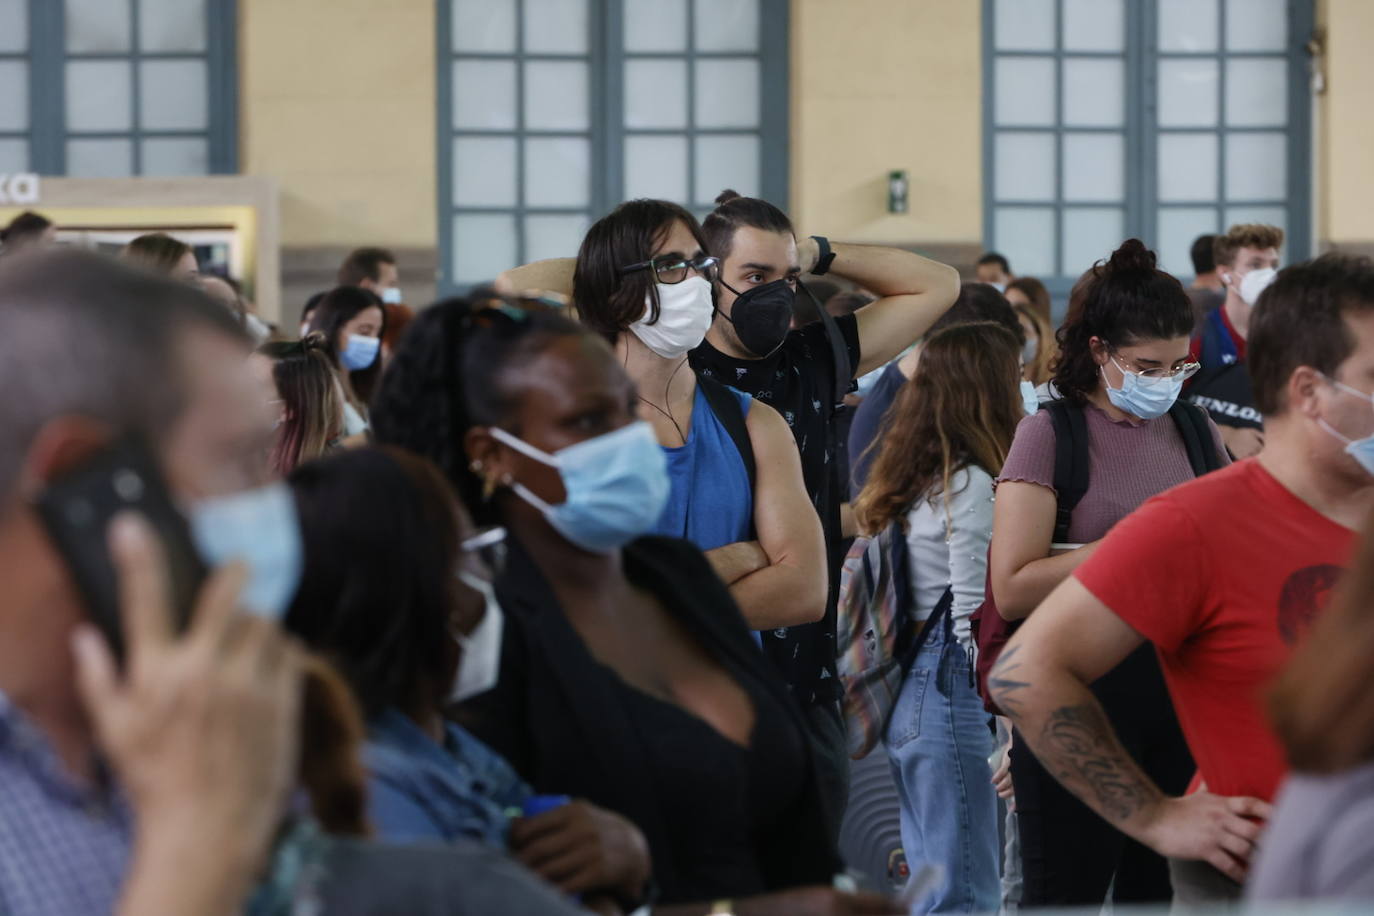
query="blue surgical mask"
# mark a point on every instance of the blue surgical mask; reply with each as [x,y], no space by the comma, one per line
[616,484]
[1362,450]
[261,528]
[392,295]
[1147,398]
[1030,401]
[360,353]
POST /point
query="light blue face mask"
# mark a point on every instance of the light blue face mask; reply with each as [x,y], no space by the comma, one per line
[360,353]
[616,484]
[1147,398]
[1030,401]
[1362,450]
[261,528]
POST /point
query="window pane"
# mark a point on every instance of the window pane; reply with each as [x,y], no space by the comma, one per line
[1094,93]
[1179,227]
[1271,216]
[483,246]
[14,155]
[1256,166]
[1026,236]
[1024,25]
[1187,167]
[727,93]
[1025,92]
[1187,93]
[14,26]
[1256,25]
[1094,25]
[171,25]
[98,95]
[1089,236]
[556,95]
[1024,167]
[656,167]
[484,172]
[553,236]
[726,162]
[656,25]
[558,172]
[176,156]
[1257,93]
[1094,167]
[100,158]
[556,26]
[97,25]
[1188,25]
[14,95]
[174,95]
[483,25]
[655,93]
[727,25]
[484,94]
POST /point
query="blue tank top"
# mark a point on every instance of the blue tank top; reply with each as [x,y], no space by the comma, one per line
[711,503]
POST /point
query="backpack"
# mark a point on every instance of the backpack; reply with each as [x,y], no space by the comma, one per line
[991,631]
[876,633]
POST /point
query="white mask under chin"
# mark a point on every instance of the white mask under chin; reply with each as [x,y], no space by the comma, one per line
[479,670]
[684,317]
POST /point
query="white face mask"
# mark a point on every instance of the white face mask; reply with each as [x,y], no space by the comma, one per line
[684,317]
[1256,282]
[479,670]
[392,295]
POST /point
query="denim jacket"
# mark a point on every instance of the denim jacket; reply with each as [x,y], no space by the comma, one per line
[419,790]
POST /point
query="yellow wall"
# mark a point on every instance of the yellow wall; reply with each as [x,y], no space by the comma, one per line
[337,101]
[1345,153]
[879,85]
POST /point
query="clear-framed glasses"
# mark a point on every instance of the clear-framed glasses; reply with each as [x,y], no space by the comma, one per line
[676,269]
[1181,372]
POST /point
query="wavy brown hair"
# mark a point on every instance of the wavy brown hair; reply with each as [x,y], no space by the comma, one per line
[313,414]
[959,409]
[1039,370]
[1323,704]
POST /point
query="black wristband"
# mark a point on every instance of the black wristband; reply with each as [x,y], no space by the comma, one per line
[826,258]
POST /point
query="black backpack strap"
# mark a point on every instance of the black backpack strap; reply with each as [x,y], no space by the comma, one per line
[1197,437]
[839,350]
[728,411]
[1071,462]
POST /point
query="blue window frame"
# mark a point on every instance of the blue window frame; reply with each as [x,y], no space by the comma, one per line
[551,112]
[110,88]
[1161,119]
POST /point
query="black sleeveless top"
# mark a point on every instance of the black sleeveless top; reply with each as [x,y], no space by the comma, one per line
[721,820]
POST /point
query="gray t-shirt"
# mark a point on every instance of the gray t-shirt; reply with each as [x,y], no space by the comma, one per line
[1320,844]
[462,878]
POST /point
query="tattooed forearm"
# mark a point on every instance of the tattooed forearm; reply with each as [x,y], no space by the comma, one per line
[1003,683]
[1078,746]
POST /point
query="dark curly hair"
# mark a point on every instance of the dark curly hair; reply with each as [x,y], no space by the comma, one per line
[1124,301]
[447,376]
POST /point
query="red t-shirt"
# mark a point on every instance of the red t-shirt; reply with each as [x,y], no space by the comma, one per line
[1223,574]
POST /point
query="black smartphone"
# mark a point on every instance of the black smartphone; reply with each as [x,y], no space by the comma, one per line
[76,510]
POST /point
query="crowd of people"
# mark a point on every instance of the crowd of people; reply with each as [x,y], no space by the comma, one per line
[581,592]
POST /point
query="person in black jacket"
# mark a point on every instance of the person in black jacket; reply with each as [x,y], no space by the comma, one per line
[628,675]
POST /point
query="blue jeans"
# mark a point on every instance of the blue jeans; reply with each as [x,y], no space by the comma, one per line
[938,743]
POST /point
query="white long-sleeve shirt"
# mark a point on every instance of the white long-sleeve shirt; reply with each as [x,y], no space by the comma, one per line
[951,550]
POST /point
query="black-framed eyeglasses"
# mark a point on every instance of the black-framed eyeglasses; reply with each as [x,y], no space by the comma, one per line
[676,269]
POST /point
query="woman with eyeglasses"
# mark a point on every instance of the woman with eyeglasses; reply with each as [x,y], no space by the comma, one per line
[1123,361]
[628,676]
[643,280]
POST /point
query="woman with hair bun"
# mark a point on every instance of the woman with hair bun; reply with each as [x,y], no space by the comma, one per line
[1123,361]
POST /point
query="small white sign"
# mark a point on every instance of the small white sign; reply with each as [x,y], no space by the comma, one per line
[19,188]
